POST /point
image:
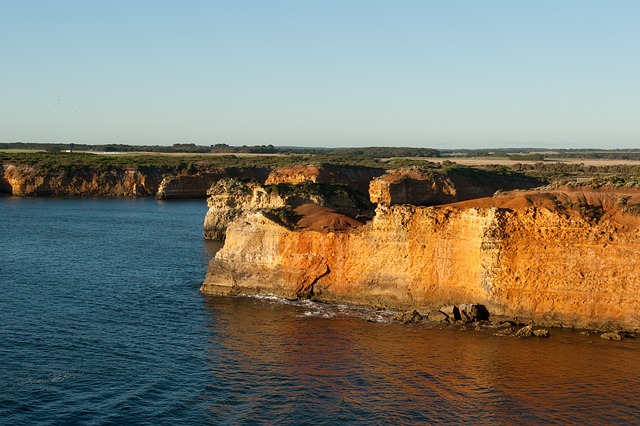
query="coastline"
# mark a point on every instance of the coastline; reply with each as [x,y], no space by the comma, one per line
[538,264]
[564,260]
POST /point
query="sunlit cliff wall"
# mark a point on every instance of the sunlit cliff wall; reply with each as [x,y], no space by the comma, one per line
[26,181]
[548,265]
[23,180]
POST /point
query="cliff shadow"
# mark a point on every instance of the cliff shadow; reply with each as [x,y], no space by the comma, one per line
[5,186]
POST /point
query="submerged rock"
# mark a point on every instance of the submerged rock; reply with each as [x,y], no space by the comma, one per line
[505,332]
[437,316]
[543,332]
[614,335]
[409,317]
[526,331]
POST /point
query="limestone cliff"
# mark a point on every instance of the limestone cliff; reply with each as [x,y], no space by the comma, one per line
[198,185]
[412,186]
[569,258]
[25,180]
[230,198]
[357,177]
[164,183]
[420,187]
[189,186]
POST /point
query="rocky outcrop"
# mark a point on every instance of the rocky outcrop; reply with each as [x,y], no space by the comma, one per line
[230,198]
[551,258]
[524,332]
[432,187]
[409,317]
[412,186]
[197,185]
[343,188]
[189,186]
[357,177]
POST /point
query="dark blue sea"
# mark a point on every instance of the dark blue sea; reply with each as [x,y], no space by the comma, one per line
[102,322]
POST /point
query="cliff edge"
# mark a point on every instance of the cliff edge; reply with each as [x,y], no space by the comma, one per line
[566,257]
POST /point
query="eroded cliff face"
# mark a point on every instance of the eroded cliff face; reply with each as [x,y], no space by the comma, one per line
[231,198]
[190,186]
[357,177]
[198,185]
[414,187]
[541,260]
[25,181]
[432,187]
[22,180]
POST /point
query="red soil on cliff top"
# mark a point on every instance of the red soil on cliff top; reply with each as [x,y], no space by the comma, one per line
[620,205]
[324,219]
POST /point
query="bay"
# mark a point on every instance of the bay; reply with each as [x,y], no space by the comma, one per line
[102,322]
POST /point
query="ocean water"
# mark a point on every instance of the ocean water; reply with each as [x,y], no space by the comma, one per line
[102,322]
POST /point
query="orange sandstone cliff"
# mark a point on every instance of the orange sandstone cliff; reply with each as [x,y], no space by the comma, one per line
[358,177]
[566,257]
[164,183]
[22,180]
[431,187]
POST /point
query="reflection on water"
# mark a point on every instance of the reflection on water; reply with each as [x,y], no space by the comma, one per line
[271,362]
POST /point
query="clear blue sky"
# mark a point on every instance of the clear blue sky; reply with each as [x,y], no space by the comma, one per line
[444,74]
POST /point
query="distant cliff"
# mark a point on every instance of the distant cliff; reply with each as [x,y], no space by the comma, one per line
[357,177]
[564,257]
[432,187]
[162,182]
[198,185]
[25,180]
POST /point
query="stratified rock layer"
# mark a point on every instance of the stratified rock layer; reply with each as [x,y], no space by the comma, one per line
[198,185]
[229,198]
[432,187]
[189,186]
[358,177]
[416,187]
[164,183]
[26,181]
[538,259]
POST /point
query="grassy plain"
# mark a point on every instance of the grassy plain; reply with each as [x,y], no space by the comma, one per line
[504,161]
[619,170]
